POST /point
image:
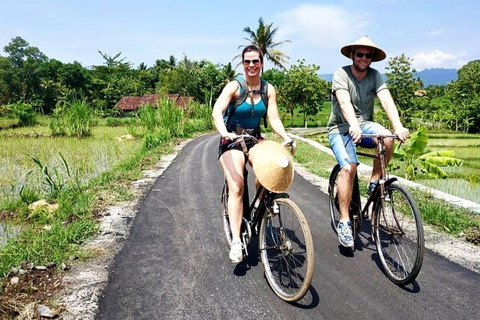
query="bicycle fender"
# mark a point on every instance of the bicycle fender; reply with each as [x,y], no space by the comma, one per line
[390,181]
[280,195]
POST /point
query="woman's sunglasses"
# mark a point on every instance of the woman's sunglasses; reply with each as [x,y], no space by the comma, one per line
[247,62]
[361,54]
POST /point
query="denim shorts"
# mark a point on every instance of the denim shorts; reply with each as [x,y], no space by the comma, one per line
[345,150]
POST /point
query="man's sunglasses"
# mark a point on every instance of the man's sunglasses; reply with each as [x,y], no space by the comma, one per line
[361,54]
[247,62]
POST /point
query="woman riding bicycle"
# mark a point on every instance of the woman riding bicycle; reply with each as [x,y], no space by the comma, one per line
[354,88]
[246,116]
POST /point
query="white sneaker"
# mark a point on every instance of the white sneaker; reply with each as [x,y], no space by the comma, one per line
[344,231]
[236,252]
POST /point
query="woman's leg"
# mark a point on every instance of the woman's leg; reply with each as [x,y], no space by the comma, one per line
[233,164]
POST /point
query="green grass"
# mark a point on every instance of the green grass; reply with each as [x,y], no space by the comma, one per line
[318,120]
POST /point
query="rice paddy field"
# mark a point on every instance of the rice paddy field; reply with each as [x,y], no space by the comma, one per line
[463,181]
[86,158]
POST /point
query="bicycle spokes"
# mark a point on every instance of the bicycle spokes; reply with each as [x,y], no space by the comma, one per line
[286,250]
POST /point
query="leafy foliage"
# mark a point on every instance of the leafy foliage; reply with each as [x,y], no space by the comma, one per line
[465,95]
[24,112]
[418,161]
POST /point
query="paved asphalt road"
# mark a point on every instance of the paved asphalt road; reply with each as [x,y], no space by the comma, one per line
[175,263]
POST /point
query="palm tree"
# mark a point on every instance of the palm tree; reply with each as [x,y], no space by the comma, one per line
[228,74]
[263,39]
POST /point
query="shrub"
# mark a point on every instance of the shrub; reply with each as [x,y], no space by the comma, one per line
[25,113]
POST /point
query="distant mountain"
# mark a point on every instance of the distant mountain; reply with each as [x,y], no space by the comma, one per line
[437,76]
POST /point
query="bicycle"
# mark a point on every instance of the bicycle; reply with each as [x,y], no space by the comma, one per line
[396,223]
[285,243]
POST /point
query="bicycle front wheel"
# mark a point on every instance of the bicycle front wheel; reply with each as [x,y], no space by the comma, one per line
[286,250]
[398,232]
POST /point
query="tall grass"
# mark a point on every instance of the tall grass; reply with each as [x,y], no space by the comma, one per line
[73,119]
[166,121]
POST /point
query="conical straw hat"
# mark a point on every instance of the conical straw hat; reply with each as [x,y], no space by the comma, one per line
[272,165]
[378,54]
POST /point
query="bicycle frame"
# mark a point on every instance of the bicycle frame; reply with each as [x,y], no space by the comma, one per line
[253,216]
[384,178]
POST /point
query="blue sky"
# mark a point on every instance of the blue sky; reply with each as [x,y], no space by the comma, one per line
[435,34]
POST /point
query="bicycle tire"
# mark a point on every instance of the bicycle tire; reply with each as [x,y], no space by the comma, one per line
[334,206]
[400,248]
[286,251]
[225,220]
[332,195]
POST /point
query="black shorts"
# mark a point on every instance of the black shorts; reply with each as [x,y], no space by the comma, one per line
[226,145]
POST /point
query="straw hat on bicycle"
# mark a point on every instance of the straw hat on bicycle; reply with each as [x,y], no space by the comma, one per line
[378,54]
[272,165]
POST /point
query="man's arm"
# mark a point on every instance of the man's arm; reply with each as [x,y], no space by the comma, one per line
[345,102]
[392,113]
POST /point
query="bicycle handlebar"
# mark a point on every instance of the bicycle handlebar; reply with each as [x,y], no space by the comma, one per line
[375,135]
[387,136]
[245,136]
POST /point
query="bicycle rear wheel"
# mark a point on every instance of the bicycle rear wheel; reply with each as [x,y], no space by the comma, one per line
[332,194]
[398,232]
[286,250]
[226,222]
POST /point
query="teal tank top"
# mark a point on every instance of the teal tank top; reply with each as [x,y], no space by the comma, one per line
[244,117]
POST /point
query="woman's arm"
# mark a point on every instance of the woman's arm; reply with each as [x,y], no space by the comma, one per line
[229,93]
[273,117]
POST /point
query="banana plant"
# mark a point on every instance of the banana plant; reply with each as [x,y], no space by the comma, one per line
[418,161]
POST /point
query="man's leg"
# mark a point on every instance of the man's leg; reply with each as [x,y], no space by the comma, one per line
[344,190]
[344,151]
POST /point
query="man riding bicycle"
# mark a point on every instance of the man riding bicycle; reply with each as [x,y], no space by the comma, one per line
[354,89]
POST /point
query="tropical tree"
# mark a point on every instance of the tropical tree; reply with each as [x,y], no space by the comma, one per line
[402,85]
[303,88]
[465,95]
[228,74]
[25,61]
[275,77]
[263,39]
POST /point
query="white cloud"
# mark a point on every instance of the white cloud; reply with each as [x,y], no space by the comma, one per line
[321,26]
[436,33]
[435,59]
